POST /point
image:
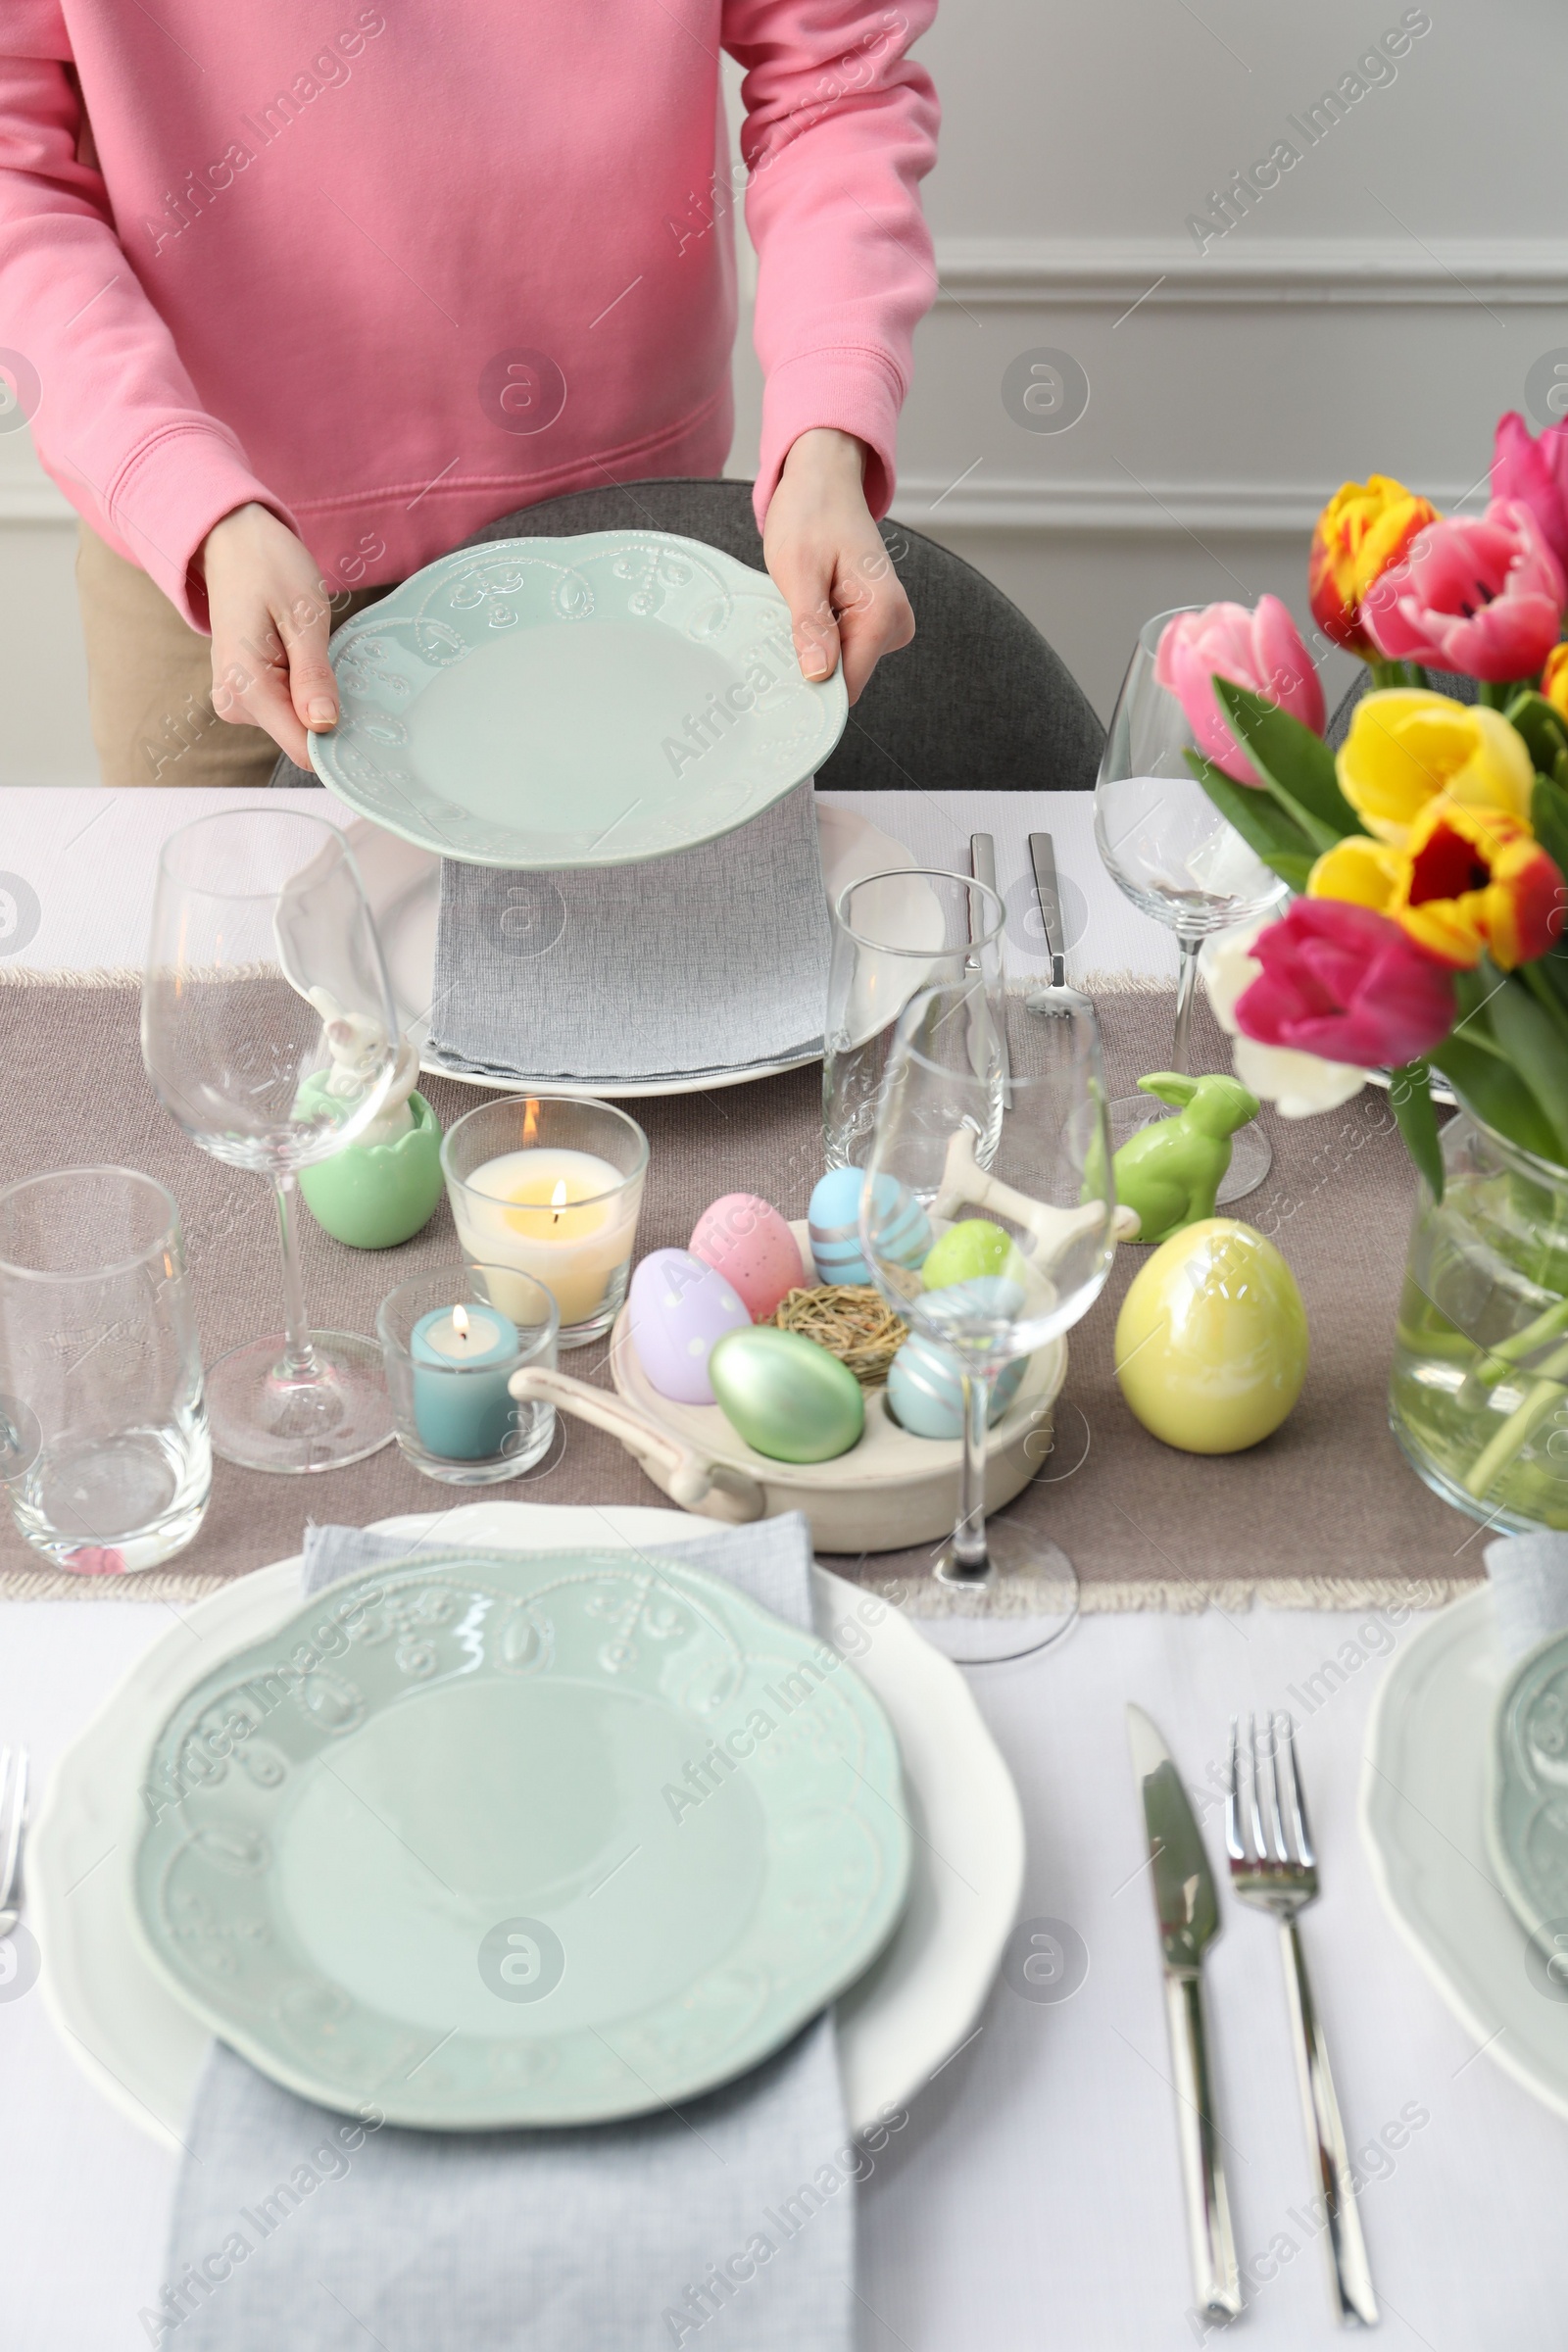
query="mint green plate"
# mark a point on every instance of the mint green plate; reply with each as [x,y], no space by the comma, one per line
[460,1842]
[595,701]
[1527,1815]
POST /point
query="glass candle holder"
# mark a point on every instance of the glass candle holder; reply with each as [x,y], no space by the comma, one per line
[104,1445]
[450,1348]
[550,1189]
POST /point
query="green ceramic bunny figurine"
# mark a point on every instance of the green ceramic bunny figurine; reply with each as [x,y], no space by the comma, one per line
[1170,1172]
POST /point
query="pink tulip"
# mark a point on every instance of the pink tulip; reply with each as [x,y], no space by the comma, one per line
[1479,594]
[1345,983]
[1535,474]
[1260,650]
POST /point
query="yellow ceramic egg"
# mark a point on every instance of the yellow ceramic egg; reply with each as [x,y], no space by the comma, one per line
[1211,1339]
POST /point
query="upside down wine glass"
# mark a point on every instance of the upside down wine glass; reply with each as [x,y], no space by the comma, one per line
[1166,845]
[268,1034]
[1016,1149]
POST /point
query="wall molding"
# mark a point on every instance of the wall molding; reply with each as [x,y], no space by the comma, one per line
[1247,267]
[1126,509]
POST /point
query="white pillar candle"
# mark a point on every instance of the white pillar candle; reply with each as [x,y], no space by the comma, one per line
[562,1216]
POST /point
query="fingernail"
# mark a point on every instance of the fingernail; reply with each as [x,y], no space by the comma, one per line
[814,662]
[321,715]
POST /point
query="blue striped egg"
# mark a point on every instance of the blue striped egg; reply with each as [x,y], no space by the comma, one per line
[926,1397]
[835,1226]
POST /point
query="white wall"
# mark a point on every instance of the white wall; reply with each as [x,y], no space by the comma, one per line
[1375,310]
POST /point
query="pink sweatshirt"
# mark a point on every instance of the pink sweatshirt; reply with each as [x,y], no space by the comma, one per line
[395,269]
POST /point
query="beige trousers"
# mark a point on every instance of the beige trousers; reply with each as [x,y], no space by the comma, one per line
[150,682]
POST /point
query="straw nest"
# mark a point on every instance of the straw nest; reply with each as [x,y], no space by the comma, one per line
[852,1321]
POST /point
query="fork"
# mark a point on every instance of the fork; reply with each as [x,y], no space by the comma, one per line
[13,1807]
[1273,1868]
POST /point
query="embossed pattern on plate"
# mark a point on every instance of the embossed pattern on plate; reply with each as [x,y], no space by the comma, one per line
[1526,1817]
[593,701]
[375,1836]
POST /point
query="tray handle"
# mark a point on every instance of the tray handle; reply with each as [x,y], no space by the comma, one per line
[711,1488]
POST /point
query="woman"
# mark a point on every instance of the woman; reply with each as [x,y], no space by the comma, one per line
[303,292]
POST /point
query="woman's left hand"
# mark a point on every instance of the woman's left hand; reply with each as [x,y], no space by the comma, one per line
[826,557]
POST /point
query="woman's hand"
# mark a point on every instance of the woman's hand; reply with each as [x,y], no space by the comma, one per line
[271,619]
[827,559]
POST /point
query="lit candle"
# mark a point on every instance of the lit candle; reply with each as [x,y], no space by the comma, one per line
[462,1359]
[562,1216]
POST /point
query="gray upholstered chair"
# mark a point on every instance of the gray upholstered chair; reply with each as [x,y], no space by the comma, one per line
[1441,681]
[979,702]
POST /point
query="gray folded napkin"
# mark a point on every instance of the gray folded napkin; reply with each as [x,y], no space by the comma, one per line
[712,959]
[1528,1577]
[300,2228]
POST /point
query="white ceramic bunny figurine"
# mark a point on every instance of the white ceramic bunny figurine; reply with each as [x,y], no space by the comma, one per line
[355,1045]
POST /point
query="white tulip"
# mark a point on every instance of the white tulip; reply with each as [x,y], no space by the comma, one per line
[1299,1084]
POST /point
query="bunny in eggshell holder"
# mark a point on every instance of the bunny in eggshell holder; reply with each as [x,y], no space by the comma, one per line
[385,1186]
[891,1490]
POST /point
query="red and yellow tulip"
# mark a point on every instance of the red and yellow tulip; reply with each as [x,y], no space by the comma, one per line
[1465,881]
[1364,528]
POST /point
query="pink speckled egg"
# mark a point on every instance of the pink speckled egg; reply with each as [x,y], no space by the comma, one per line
[749,1243]
[677,1308]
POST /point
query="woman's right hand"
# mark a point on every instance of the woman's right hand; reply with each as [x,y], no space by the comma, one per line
[271,619]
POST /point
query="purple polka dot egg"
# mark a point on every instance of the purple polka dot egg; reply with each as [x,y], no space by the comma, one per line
[676,1310]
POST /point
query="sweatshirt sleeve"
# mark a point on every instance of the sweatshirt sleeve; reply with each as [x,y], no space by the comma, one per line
[840,129]
[115,420]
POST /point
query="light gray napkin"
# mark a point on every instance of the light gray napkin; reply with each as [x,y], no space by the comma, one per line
[298,2229]
[1529,1576]
[709,960]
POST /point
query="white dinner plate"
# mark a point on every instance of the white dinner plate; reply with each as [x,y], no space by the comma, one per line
[602,700]
[914,2007]
[1424,1792]
[403,884]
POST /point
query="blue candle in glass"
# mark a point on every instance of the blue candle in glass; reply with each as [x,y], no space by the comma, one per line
[462,1358]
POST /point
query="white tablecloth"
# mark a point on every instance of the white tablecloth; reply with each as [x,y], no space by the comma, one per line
[1032,2198]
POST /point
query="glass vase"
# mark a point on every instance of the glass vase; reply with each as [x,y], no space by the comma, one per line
[1479,1397]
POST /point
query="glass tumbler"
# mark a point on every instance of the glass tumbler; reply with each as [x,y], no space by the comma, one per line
[449,1350]
[100,1370]
[895,934]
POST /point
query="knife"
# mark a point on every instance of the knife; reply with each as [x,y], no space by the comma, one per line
[1187,1909]
[983,869]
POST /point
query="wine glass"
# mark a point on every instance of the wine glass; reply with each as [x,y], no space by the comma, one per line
[1166,845]
[269,1033]
[1000,1162]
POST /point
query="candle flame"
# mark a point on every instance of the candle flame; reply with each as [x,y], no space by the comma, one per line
[558,1199]
[460,1321]
[530,1123]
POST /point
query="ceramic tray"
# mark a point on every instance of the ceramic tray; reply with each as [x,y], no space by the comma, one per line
[591,701]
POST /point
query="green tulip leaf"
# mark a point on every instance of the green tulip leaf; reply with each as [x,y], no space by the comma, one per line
[1530,716]
[1295,764]
[1410,1095]
[1494,1091]
[1536,1043]
[1265,827]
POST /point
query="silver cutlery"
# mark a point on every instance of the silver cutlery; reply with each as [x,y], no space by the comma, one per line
[1187,1908]
[983,869]
[1273,1868]
[12,1811]
[1056,994]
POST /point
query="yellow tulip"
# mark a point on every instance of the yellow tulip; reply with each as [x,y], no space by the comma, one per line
[1364,528]
[1554,680]
[1406,745]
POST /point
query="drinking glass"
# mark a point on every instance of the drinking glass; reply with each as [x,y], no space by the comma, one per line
[1166,845]
[268,1031]
[1011,1134]
[895,934]
[104,1445]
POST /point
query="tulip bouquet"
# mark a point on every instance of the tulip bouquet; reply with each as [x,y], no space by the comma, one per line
[1428,855]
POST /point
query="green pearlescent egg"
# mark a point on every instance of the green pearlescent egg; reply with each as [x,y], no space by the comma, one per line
[972,1248]
[786,1396]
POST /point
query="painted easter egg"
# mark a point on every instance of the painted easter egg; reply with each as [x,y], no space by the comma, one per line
[675,1310]
[1211,1341]
[973,1247]
[903,1229]
[785,1396]
[926,1396]
[750,1245]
